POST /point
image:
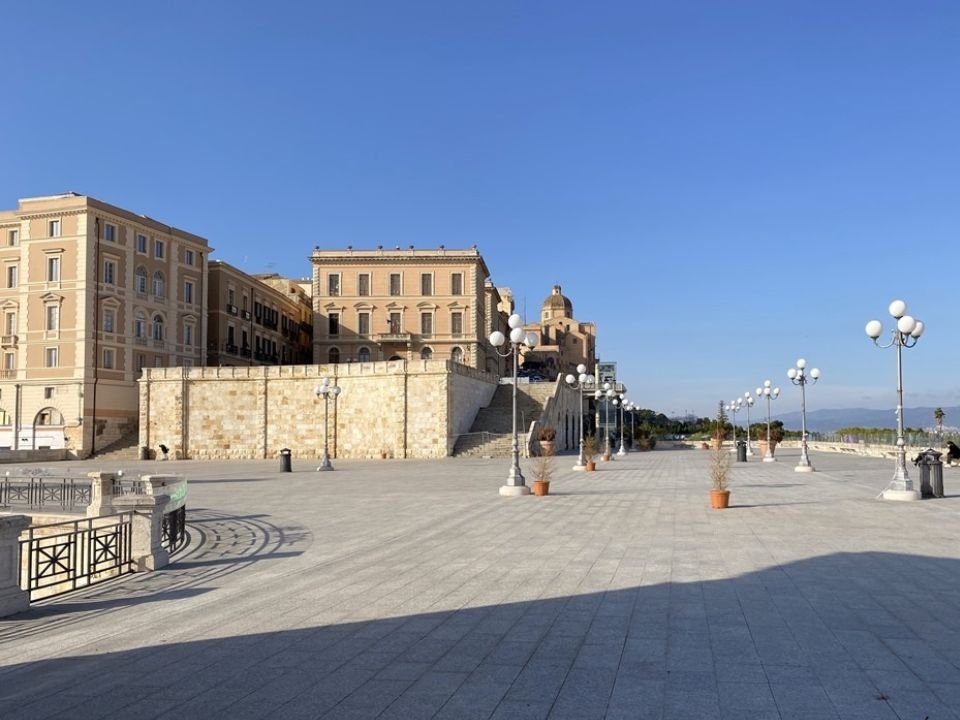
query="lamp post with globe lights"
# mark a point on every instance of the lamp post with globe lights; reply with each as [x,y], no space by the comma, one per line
[906,333]
[748,403]
[770,394]
[579,383]
[621,401]
[733,408]
[609,395]
[517,341]
[797,377]
[328,391]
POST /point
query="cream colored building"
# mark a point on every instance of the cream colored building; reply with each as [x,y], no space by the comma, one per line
[563,342]
[90,294]
[409,304]
[257,320]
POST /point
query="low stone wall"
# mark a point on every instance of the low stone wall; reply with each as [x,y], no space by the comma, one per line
[31,457]
[863,449]
[386,409]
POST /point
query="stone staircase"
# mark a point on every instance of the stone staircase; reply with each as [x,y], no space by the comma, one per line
[491,432]
[127,447]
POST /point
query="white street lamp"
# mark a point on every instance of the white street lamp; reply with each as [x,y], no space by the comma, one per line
[326,390]
[609,395]
[748,403]
[906,334]
[797,377]
[518,340]
[580,382]
[770,394]
[733,408]
[623,448]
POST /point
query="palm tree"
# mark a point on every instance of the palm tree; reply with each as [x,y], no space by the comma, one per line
[938,415]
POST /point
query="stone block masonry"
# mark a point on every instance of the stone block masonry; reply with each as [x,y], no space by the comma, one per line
[394,409]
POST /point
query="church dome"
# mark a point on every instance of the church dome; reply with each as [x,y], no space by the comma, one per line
[557,305]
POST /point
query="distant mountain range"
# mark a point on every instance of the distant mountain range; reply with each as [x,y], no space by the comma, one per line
[831,420]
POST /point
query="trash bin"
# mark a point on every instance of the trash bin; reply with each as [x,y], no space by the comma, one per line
[931,473]
[741,451]
[285,460]
[144,452]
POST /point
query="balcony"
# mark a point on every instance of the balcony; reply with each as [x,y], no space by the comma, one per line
[230,348]
[245,352]
[8,374]
[245,314]
[404,337]
[140,340]
[8,340]
[231,309]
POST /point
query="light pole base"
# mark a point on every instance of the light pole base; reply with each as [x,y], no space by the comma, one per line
[514,490]
[621,452]
[769,459]
[579,467]
[901,495]
[325,464]
[804,468]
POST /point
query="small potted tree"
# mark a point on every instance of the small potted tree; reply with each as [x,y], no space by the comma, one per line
[590,452]
[548,436]
[719,474]
[543,471]
[776,436]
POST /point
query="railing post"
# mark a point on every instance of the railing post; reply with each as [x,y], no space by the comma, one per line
[158,484]
[13,599]
[146,549]
[101,494]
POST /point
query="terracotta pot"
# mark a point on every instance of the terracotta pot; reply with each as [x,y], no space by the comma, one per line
[541,487]
[606,457]
[547,447]
[591,466]
[763,448]
[719,499]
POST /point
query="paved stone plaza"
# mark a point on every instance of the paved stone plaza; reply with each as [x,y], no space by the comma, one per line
[411,589]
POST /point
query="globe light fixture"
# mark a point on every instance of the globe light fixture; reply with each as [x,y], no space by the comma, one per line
[769,393]
[327,390]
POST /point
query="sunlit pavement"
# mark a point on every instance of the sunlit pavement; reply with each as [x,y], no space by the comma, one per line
[412,589]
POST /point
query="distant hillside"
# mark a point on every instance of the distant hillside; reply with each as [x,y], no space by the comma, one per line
[831,420]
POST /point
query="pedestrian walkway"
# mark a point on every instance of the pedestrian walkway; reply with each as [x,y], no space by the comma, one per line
[412,589]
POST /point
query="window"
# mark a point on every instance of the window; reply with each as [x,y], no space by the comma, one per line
[109,272]
[158,286]
[142,244]
[334,355]
[157,327]
[108,358]
[188,257]
[140,327]
[231,297]
[457,355]
[395,288]
[426,284]
[333,285]
[10,324]
[13,238]
[363,284]
[158,361]
[333,324]
[53,317]
[109,232]
[54,228]
[108,320]
[47,393]
[456,324]
[456,284]
[9,361]
[141,362]
[363,354]
[426,323]
[426,353]
[188,292]
[158,248]
[53,269]
[11,276]
[363,323]
[51,357]
[188,335]
[394,323]
[140,280]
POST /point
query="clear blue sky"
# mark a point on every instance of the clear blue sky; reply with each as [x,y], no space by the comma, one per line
[722,187]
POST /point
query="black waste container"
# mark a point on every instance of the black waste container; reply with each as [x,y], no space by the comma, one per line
[144,452]
[285,460]
[741,451]
[931,473]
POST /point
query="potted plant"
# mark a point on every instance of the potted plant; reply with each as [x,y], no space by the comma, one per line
[590,452]
[719,474]
[548,435]
[543,471]
[776,436]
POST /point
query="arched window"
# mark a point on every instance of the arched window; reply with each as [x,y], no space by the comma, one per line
[457,355]
[333,356]
[426,353]
[140,280]
[48,416]
[395,357]
[363,354]
[157,327]
[158,284]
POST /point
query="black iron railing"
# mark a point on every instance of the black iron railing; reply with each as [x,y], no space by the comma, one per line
[62,557]
[45,493]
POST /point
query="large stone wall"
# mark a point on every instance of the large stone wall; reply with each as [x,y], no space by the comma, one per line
[392,409]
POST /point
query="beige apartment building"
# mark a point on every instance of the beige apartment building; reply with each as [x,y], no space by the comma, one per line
[90,294]
[257,320]
[405,304]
